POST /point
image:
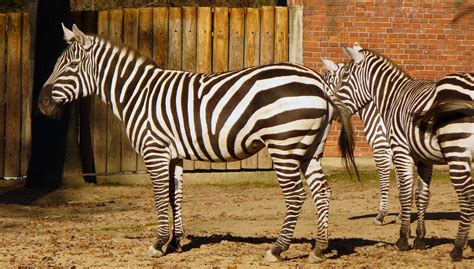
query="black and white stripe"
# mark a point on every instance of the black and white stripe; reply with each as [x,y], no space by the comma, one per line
[427,123]
[173,115]
[376,135]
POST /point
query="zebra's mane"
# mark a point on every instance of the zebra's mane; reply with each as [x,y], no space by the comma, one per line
[389,61]
[146,60]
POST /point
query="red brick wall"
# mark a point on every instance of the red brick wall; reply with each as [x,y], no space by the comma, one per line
[420,36]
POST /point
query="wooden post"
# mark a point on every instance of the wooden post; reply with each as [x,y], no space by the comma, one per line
[221,51]
[251,58]
[3,27]
[160,36]
[267,50]
[189,52]
[130,38]
[203,55]
[13,97]
[236,52]
[281,34]
[99,112]
[114,128]
[175,38]
[26,95]
[296,34]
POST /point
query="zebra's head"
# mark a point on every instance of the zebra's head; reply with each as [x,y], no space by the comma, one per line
[72,75]
[333,73]
[352,86]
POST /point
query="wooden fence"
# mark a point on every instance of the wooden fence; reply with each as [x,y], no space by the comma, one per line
[15,95]
[198,39]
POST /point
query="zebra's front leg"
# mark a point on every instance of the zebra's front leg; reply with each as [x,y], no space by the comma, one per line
[404,169]
[422,199]
[289,179]
[157,161]
[320,193]
[176,200]
[382,160]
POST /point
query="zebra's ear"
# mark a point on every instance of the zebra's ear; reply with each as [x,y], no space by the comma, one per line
[82,38]
[68,34]
[357,46]
[330,65]
[355,54]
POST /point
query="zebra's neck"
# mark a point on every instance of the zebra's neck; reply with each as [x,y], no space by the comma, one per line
[122,75]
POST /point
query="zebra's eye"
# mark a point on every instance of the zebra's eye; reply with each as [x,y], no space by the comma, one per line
[73,64]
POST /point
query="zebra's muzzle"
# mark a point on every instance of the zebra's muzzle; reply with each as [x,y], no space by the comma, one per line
[47,105]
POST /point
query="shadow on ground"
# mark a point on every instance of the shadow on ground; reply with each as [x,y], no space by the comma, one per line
[428,216]
[343,246]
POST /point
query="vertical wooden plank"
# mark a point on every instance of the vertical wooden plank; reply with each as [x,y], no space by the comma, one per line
[236,51]
[160,36]
[13,97]
[203,55]
[3,27]
[130,38]
[220,52]
[26,95]
[189,52]
[175,39]
[114,128]
[295,46]
[251,58]
[99,128]
[267,45]
[281,34]
[221,40]
[145,47]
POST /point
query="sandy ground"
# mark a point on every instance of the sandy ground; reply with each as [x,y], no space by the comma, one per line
[229,226]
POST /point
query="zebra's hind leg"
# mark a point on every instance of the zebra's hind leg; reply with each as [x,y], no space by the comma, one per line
[289,179]
[176,200]
[320,193]
[460,174]
[425,172]
[404,169]
[382,160]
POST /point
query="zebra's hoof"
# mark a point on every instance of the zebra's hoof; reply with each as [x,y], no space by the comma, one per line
[316,258]
[419,244]
[174,247]
[456,254]
[402,244]
[379,222]
[154,253]
[270,257]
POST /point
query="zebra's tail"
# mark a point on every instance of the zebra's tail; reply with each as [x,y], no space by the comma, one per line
[429,119]
[346,135]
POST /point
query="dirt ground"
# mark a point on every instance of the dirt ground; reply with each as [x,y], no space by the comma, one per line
[227,226]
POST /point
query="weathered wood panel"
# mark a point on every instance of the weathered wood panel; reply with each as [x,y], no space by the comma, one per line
[13,97]
[204,55]
[114,128]
[3,46]
[281,34]
[130,38]
[236,51]
[267,50]
[221,51]
[26,96]
[175,38]
[189,52]
[99,113]
[251,58]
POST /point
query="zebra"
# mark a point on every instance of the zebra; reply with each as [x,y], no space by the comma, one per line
[174,115]
[406,107]
[376,135]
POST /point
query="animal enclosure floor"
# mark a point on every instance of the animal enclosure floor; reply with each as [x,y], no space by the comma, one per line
[226,226]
